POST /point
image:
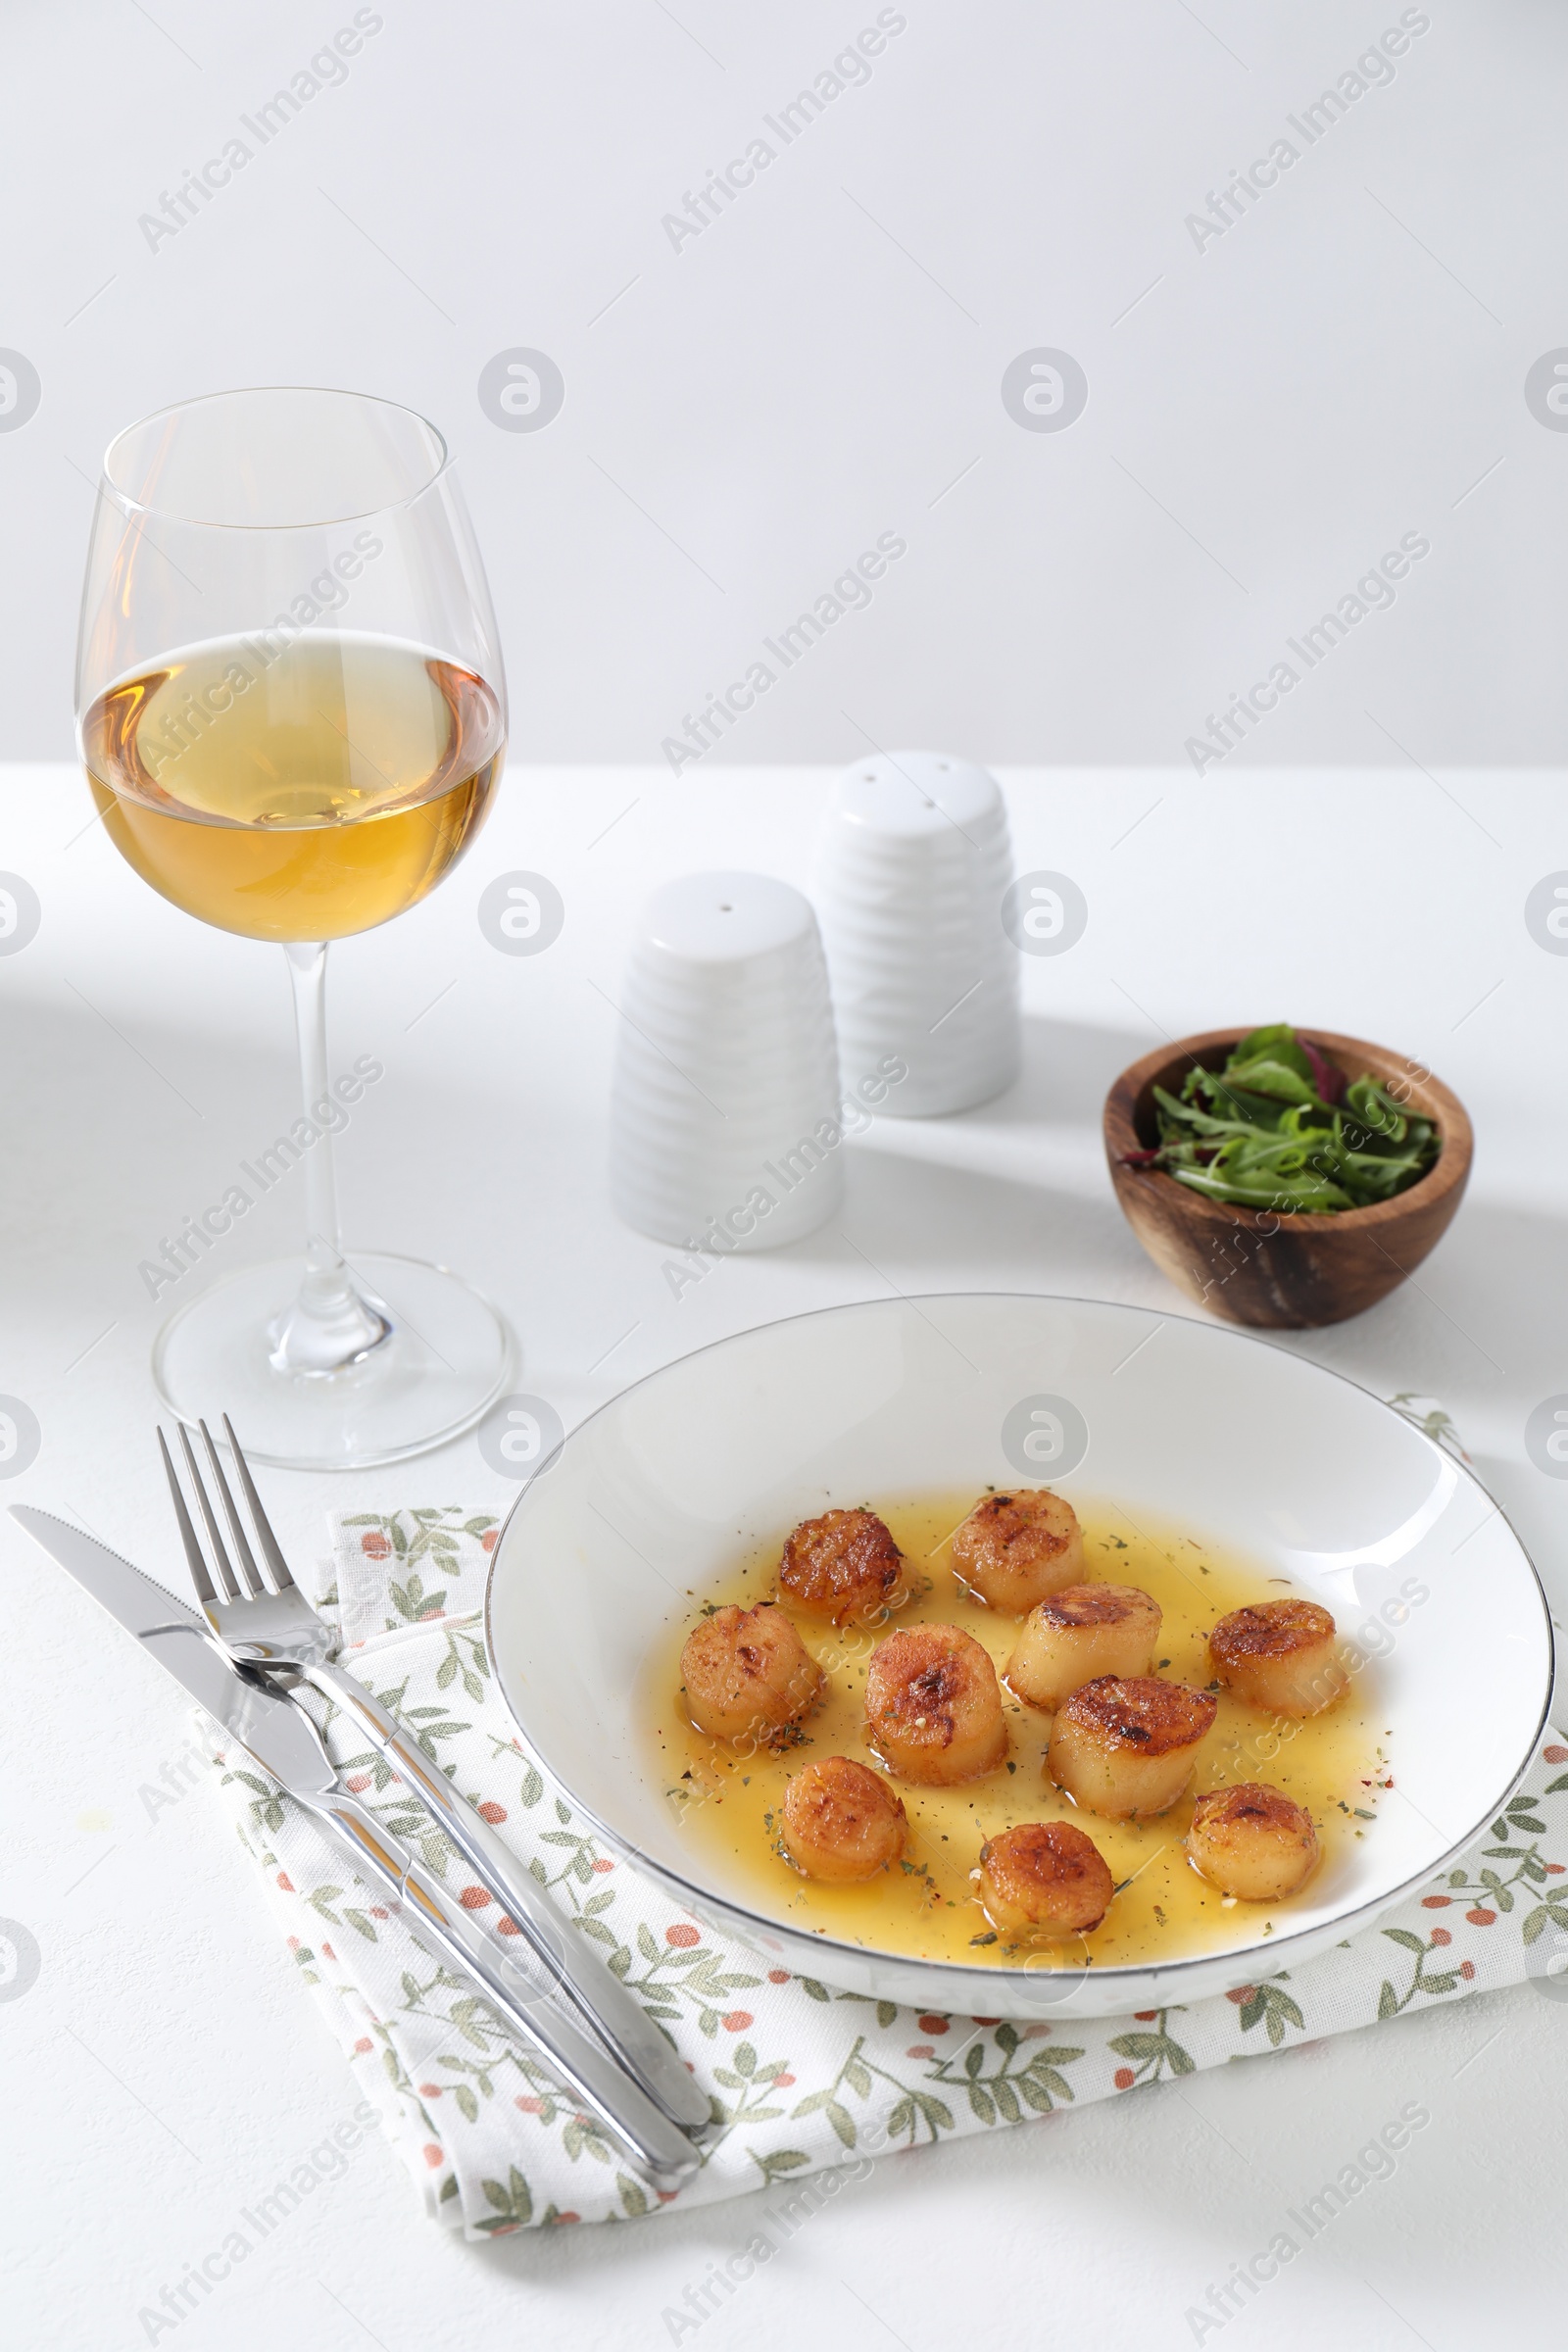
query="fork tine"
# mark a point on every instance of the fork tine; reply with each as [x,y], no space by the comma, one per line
[282,1578]
[250,1576]
[215,1533]
[187,1534]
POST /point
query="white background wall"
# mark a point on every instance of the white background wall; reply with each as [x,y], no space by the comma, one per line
[745,415]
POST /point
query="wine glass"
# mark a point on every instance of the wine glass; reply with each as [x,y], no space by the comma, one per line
[292,713]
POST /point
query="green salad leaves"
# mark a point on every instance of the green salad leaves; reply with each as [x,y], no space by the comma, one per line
[1280,1128]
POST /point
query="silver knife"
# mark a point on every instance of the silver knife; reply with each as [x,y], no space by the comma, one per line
[282,1636]
[283,1741]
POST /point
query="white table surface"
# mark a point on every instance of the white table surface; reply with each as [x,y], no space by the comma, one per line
[167,2067]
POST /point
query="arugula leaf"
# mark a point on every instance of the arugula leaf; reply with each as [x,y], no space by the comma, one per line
[1272,1075]
[1275,1038]
[1279,1129]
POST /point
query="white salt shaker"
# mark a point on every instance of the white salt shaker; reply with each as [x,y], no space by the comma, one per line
[725,1127]
[915,862]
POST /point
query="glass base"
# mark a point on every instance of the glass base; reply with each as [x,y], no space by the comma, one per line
[446,1361]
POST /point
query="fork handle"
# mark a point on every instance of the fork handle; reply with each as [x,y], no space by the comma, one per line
[656,2146]
[607,2005]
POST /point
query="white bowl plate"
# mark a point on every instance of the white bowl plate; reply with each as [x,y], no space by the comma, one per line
[664,1490]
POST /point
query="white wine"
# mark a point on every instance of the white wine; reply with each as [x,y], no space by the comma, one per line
[301,792]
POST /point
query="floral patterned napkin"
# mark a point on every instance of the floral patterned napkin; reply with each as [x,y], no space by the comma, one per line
[801,2075]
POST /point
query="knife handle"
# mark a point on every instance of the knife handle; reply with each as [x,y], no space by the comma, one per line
[607,2005]
[656,2145]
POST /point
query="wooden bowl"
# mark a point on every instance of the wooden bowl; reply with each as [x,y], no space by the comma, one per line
[1290,1271]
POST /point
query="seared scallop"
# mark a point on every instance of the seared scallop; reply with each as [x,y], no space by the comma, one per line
[933,1705]
[1281,1656]
[841,1821]
[1253,1841]
[1016,1550]
[1078,1633]
[748,1670]
[1125,1745]
[1045,1874]
[843,1565]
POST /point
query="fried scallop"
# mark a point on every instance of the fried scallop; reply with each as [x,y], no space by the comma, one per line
[1016,1550]
[843,1565]
[1044,1875]
[1281,1656]
[1125,1745]
[841,1821]
[1253,1841]
[1079,1634]
[747,1671]
[933,1705]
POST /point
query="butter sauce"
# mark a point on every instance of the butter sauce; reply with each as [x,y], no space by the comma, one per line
[727,1801]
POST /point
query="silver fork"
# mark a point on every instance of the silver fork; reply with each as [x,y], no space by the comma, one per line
[273,1629]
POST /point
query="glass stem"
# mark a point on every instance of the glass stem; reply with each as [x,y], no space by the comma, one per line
[330,1327]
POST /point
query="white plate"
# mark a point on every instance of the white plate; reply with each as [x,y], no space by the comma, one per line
[659,1494]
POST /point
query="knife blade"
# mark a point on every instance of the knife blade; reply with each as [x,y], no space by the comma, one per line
[124,1591]
[284,1742]
[266,1723]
